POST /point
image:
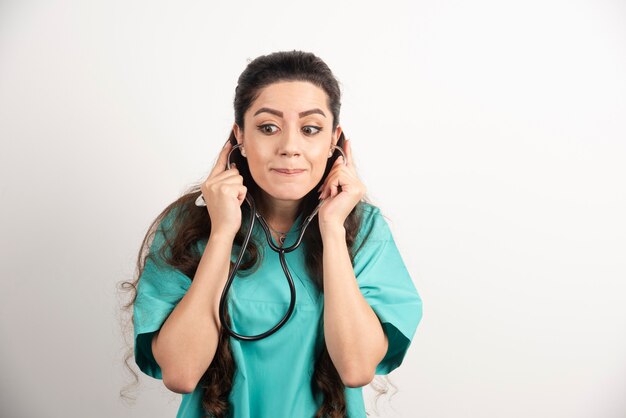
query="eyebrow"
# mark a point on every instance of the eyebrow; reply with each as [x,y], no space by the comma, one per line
[280,114]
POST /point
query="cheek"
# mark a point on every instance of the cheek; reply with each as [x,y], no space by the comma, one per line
[319,165]
[256,157]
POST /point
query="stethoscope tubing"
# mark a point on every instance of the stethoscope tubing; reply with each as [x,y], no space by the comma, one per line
[281,254]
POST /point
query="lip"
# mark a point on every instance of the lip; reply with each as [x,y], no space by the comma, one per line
[288,172]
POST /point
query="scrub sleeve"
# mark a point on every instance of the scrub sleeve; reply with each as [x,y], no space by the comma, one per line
[159,290]
[389,290]
[386,286]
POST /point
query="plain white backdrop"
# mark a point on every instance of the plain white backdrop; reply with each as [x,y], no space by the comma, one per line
[491,133]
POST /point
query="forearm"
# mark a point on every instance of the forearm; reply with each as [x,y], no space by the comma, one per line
[186,343]
[354,335]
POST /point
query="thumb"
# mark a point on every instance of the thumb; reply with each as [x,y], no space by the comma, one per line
[222,159]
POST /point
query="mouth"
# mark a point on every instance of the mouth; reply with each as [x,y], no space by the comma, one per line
[288,172]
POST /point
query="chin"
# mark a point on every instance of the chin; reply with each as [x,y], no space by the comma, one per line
[288,196]
[283,194]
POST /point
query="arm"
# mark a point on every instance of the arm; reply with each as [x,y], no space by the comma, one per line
[355,338]
[185,345]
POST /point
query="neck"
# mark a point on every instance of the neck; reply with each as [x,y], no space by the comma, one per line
[279,214]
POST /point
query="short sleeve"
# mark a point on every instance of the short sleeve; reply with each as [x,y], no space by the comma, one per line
[159,290]
[386,285]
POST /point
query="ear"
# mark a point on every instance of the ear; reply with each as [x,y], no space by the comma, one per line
[336,134]
[238,133]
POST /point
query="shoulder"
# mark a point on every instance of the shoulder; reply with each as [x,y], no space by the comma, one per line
[164,228]
[373,225]
[368,212]
[173,217]
[165,221]
[372,219]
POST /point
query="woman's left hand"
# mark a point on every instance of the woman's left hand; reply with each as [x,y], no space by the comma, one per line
[338,205]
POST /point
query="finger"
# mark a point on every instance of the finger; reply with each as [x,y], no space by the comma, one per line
[330,175]
[322,188]
[343,179]
[241,196]
[323,194]
[336,166]
[334,172]
[348,151]
[222,159]
[226,176]
[217,174]
[330,181]
[334,187]
[350,158]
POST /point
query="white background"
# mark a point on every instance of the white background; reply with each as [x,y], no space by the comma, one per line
[491,133]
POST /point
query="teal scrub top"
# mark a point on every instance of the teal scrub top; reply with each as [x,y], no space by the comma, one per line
[273,375]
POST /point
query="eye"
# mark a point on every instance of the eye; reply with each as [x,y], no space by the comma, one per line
[311,130]
[268,128]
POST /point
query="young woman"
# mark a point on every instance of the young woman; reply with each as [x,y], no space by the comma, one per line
[356,308]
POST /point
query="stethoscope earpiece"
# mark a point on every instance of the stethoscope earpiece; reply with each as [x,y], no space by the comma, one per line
[230,152]
[338,148]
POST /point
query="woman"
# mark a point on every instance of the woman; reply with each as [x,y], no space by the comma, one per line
[356,308]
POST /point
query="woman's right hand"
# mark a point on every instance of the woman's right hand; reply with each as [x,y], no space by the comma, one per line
[224,192]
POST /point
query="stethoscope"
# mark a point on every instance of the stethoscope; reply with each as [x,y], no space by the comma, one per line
[281,253]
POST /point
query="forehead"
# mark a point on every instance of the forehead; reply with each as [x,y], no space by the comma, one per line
[288,96]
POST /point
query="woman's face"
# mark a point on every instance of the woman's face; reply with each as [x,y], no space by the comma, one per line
[288,127]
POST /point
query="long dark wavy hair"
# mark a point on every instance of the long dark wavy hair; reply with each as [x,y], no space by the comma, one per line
[191,225]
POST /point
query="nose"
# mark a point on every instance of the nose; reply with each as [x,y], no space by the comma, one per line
[289,144]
